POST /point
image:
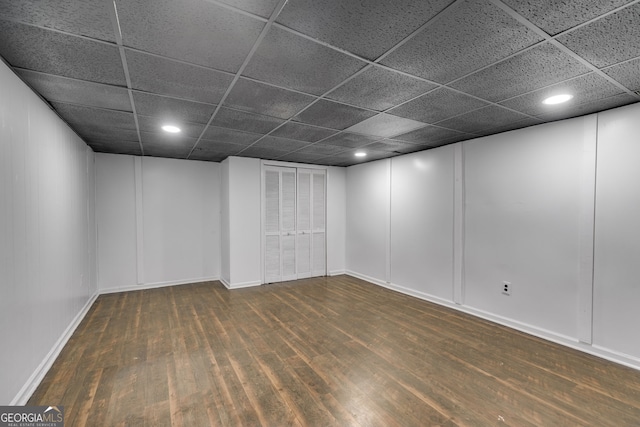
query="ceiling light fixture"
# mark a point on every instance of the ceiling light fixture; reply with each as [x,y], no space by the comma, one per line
[360,154]
[557,99]
[171,128]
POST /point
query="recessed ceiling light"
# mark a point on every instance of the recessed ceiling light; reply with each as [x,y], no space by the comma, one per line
[171,128]
[360,154]
[557,99]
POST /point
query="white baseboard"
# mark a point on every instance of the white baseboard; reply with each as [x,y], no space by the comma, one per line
[225,283]
[567,341]
[337,272]
[242,284]
[38,375]
[366,278]
[157,285]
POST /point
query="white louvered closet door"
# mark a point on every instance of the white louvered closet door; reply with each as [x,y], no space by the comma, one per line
[294,223]
[303,256]
[318,223]
[288,224]
[272,258]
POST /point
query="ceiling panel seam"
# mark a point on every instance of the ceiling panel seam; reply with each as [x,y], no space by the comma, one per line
[55,30]
[261,37]
[564,48]
[113,14]
[235,9]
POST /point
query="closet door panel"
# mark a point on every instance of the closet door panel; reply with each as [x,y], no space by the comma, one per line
[303,255]
[318,224]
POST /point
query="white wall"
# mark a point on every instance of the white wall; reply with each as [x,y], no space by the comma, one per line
[336,219]
[46,236]
[516,207]
[244,222]
[116,221]
[422,200]
[617,256]
[158,221]
[225,224]
[181,220]
[368,208]
[522,224]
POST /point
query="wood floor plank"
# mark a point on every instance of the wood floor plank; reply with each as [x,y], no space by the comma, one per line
[324,351]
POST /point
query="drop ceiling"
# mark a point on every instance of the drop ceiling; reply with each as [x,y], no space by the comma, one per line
[313,81]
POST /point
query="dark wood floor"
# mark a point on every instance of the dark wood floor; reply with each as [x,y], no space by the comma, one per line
[316,352]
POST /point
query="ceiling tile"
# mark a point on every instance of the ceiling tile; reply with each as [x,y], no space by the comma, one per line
[617,38]
[536,68]
[207,156]
[227,135]
[438,105]
[73,91]
[516,124]
[587,88]
[302,132]
[334,161]
[170,141]
[433,135]
[246,122]
[280,143]
[116,148]
[321,149]
[51,52]
[299,157]
[262,153]
[394,146]
[385,125]
[161,150]
[195,31]
[372,154]
[89,18]
[164,76]
[412,148]
[555,16]
[333,115]
[590,107]
[154,125]
[627,73]
[79,115]
[172,110]
[470,35]
[483,120]
[104,133]
[378,88]
[222,148]
[264,99]
[349,140]
[262,8]
[288,60]
[365,28]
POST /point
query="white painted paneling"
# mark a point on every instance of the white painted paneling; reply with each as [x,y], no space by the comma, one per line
[422,222]
[225,236]
[245,212]
[336,219]
[177,205]
[617,233]
[45,221]
[368,202]
[522,224]
[116,221]
[181,216]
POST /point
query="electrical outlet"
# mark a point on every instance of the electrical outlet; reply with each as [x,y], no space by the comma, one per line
[506,288]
